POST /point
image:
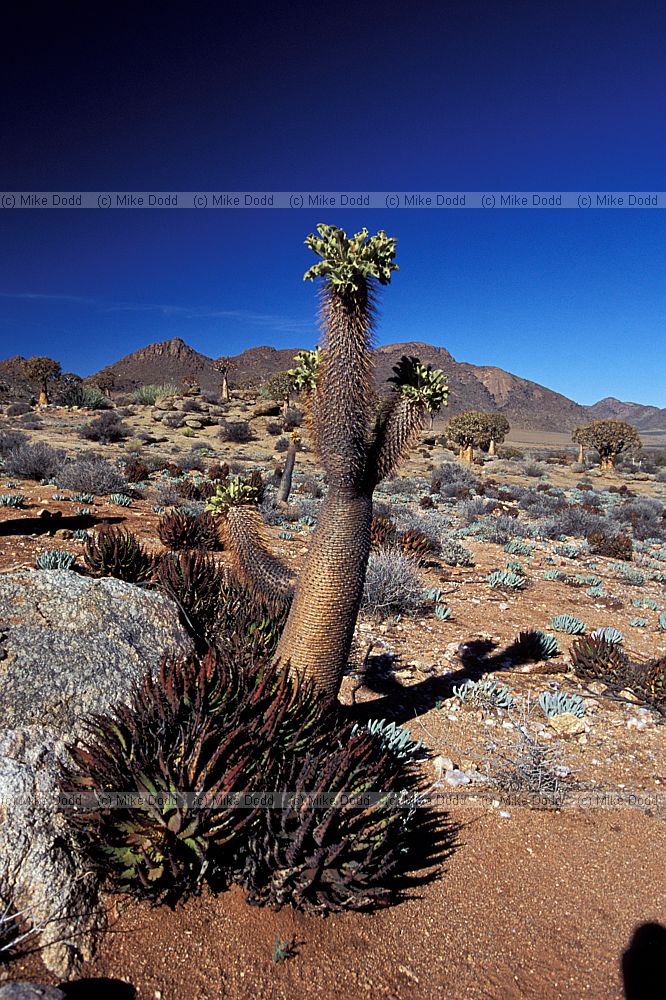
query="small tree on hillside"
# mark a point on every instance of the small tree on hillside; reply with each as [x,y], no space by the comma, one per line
[104,380]
[497,428]
[468,430]
[279,388]
[610,438]
[223,366]
[41,371]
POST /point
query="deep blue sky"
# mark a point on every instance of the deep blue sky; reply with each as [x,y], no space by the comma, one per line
[472,96]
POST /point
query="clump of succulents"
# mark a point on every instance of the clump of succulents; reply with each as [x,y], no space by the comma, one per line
[568,623]
[12,500]
[505,579]
[180,530]
[596,657]
[344,834]
[416,544]
[662,621]
[517,547]
[442,612]
[193,580]
[533,644]
[610,634]
[82,497]
[638,622]
[382,531]
[189,747]
[121,499]
[484,694]
[54,559]
[554,703]
[117,552]
[394,738]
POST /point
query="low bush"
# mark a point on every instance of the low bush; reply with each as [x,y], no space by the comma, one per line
[614,546]
[34,461]
[91,474]
[135,471]
[18,409]
[106,429]
[281,444]
[10,440]
[88,396]
[392,585]
[236,431]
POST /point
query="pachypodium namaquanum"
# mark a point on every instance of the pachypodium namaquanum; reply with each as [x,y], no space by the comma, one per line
[358,443]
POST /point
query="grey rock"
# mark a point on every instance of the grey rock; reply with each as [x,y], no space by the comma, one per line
[74,645]
[30,991]
[42,875]
[267,409]
[456,777]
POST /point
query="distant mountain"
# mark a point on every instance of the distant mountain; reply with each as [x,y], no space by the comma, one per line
[644,418]
[526,404]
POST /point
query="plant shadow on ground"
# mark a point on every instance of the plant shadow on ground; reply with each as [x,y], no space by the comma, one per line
[401,703]
[101,989]
[644,963]
[49,525]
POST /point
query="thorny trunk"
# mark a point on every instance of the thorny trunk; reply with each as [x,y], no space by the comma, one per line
[285,482]
[319,630]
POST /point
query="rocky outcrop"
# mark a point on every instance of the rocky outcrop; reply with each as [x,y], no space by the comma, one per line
[71,645]
[43,878]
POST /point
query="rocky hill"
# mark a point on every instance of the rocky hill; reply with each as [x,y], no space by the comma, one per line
[526,404]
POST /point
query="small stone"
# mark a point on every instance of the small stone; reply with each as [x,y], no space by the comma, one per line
[567,724]
[504,814]
[629,695]
[30,991]
[442,765]
[456,778]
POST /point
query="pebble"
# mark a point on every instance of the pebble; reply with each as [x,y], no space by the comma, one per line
[504,814]
[442,765]
[456,777]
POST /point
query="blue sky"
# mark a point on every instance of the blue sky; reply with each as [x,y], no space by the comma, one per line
[392,98]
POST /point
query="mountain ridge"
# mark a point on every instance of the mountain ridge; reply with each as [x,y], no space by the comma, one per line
[525,403]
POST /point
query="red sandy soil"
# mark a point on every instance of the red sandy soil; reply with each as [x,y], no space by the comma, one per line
[534,905]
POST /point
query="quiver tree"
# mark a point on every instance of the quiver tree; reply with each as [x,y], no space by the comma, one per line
[609,438]
[279,389]
[104,380]
[222,366]
[468,430]
[497,428]
[581,437]
[41,371]
[358,447]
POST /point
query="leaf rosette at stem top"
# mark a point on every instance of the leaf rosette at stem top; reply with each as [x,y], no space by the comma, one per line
[422,384]
[235,492]
[349,261]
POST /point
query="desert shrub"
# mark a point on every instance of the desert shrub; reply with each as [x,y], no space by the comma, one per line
[312,488]
[10,440]
[117,552]
[34,461]
[173,420]
[281,444]
[453,553]
[471,510]
[392,584]
[91,474]
[500,529]
[538,505]
[18,409]
[509,453]
[274,428]
[533,469]
[451,479]
[195,460]
[180,530]
[614,546]
[106,429]
[30,422]
[644,515]
[292,419]
[169,493]
[580,523]
[236,431]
